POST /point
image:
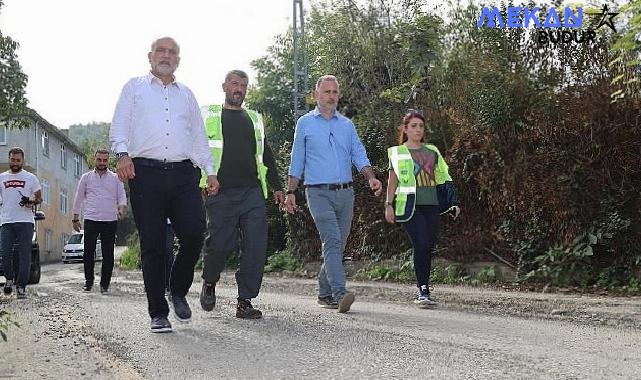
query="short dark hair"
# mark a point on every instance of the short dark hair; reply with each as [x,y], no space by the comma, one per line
[16,150]
[239,73]
[101,151]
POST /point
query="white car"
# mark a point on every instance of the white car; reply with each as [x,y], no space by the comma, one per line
[74,250]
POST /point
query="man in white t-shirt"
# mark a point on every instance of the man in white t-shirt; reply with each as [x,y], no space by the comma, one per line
[19,192]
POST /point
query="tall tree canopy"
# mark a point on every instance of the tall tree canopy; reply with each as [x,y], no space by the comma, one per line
[13,81]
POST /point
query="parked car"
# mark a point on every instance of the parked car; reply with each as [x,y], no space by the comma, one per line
[74,250]
[34,269]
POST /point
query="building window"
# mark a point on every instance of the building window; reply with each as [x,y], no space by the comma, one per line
[48,238]
[3,134]
[64,238]
[45,143]
[63,156]
[63,201]
[45,191]
[77,165]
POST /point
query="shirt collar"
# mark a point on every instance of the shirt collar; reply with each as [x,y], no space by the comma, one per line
[151,78]
[96,171]
[316,112]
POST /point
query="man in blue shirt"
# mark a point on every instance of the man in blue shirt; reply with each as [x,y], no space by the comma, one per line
[325,147]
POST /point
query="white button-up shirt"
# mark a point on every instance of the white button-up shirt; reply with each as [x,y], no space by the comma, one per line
[161,122]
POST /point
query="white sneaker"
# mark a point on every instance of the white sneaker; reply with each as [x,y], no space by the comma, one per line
[423,298]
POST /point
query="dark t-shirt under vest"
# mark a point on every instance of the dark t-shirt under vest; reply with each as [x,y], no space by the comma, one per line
[238,164]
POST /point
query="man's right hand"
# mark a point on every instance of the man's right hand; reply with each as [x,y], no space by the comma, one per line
[125,168]
[290,203]
[212,185]
[77,226]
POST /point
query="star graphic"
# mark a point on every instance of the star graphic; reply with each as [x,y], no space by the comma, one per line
[606,18]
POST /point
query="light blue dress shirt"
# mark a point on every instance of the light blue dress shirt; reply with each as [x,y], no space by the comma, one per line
[324,150]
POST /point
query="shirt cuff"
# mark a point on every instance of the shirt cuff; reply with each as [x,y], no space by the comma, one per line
[210,170]
[120,147]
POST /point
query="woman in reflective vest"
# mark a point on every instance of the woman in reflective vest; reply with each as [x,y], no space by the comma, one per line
[419,190]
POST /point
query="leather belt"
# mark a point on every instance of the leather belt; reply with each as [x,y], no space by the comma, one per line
[331,186]
[161,164]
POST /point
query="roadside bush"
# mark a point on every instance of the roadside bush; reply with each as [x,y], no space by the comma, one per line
[487,275]
[450,274]
[130,259]
[6,321]
[400,268]
[283,260]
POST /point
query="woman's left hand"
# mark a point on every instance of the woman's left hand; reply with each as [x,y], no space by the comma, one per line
[389,214]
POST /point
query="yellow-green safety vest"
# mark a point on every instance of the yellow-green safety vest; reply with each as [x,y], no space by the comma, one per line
[403,166]
[214,128]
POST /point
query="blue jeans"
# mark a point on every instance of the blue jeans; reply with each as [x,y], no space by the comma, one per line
[332,211]
[19,234]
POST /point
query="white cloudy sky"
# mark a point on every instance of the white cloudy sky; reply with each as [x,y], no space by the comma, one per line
[79,53]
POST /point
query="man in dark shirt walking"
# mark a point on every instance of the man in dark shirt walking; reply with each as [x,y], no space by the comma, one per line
[244,164]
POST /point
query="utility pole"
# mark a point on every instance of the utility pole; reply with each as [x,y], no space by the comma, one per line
[299,60]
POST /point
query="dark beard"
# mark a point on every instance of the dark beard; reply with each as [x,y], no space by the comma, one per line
[14,170]
[229,99]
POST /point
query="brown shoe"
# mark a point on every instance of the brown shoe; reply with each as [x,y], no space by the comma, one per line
[244,309]
[345,302]
[208,296]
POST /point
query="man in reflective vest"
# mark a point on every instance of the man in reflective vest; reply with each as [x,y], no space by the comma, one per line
[244,164]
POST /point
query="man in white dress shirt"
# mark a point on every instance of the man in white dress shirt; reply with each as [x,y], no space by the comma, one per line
[159,138]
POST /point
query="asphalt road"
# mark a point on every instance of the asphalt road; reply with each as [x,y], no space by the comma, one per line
[67,333]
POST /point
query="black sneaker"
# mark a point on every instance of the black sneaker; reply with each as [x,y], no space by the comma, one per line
[327,302]
[8,287]
[208,296]
[181,308]
[21,292]
[104,289]
[87,287]
[345,301]
[244,309]
[160,325]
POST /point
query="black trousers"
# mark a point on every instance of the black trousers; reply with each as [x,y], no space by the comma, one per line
[237,215]
[157,193]
[423,228]
[107,232]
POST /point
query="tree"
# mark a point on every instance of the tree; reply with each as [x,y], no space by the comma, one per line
[13,81]
[627,54]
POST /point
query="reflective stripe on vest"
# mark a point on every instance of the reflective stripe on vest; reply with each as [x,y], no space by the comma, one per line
[212,115]
[403,166]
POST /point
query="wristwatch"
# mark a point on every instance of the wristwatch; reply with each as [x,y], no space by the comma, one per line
[389,204]
[291,192]
[121,154]
[75,220]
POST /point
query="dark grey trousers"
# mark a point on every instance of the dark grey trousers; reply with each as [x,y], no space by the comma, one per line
[236,218]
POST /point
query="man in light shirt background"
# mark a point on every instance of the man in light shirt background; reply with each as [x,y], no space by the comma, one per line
[101,198]
[159,138]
